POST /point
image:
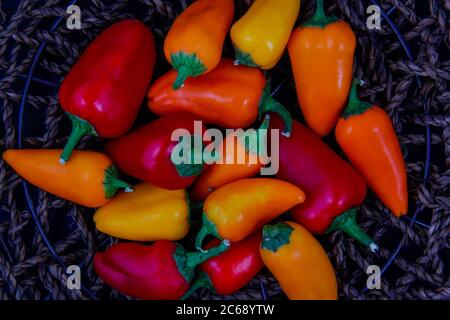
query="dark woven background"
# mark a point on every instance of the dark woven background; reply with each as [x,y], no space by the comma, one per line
[28,269]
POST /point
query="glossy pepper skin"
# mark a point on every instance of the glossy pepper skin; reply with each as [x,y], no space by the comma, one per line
[237,209]
[90,179]
[146,153]
[298,262]
[103,91]
[231,270]
[149,213]
[231,96]
[366,135]
[261,35]
[194,43]
[332,187]
[321,53]
[161,271]
[230,166]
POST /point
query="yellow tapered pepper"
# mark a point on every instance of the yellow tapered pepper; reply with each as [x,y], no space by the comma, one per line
[149,213]
[261,35]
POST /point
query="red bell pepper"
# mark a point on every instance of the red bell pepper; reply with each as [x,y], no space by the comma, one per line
[103,91]
[332,187]
[231,270]
[146,153]
[161,271]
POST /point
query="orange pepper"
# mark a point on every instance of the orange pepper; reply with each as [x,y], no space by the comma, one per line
[321,53]
[228,168]
[298,262]
[194,43]
[88,179]
[366,135]
[237,209]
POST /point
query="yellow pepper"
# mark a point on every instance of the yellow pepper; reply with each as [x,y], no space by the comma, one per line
[261,35]
[149,213]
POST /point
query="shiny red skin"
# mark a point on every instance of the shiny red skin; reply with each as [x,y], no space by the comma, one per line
[145,152]
[234,268]
[107,84]
[142,271]
[330,184]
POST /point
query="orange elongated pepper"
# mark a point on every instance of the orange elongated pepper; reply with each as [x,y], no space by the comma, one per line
[235,162]
[88,179]
[149,213]
[237,209]
[321,53]
[366,135]
[194,43]
[298,262]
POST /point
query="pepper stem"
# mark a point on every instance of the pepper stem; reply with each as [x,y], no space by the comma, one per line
[182,74]
[276,236]
[193,259]
[269,104]
[208,228]
[347,223]
[203,281]
[319,19]
[187,65]
[112,183]
[80,128]
[243,58]
[354,105]
[187,261]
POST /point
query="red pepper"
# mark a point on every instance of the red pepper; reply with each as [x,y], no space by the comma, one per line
[332,187]
[146,153]
[232,269]
[231,96]
[161,271]
[103,91]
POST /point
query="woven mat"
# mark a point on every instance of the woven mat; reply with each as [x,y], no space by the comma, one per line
[414,254]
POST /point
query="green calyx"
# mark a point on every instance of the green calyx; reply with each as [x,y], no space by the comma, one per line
[187,261]
[187,65]
[354,105]
[243,58]
[275,236]
[80,128]
[112,183]
[203,281]
[188,156]
[208,228]
[347,223]
[319,19]
[269,104]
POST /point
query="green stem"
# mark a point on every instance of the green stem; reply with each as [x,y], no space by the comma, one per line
[187,261]
[112,183]
[80,128]
[203,281]
[182,74]
[208,228]
[354,105]
[269,104]
[347,223]
[243,58]
[276,236]
[191,167]
[319,19]
[187,65]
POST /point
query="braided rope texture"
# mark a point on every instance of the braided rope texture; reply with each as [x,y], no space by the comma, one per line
[419,271]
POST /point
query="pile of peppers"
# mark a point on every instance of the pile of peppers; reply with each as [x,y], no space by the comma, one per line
[315,191]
